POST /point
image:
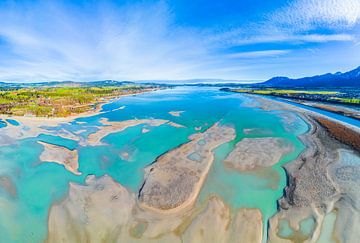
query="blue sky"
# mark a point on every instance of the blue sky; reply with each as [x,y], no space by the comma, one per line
[180,39]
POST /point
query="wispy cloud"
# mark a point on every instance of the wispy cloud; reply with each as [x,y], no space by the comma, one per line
[311,14]
[92,40]
[243,38]
[256,54]
[300,21]
[132,42]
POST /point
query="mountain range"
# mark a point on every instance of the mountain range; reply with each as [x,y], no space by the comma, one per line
[339,79]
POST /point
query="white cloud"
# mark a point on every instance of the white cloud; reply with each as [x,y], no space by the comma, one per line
[278,37]
[311,14]
[300,21]
[257,54]
[47,41]
[51,42]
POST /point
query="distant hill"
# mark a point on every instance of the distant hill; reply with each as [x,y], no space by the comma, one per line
[348,79]
[102,83]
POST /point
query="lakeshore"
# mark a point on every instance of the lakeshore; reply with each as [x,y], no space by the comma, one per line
[137,183]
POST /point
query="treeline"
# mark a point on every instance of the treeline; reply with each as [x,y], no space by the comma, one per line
[58,101]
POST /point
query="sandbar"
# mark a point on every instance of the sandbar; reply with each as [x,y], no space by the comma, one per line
[60,155]
[253,153]
[176,113]
[174,180]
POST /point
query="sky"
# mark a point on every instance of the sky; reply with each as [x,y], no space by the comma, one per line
[246,40]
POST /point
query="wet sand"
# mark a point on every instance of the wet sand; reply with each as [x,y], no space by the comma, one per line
[324,179]
[174,180]
[176,113]
[104,211]
[321,181]
[255,153]
[31,126]
[60,155]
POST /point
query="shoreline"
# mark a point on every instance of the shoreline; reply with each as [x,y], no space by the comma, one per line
[301,110]
[314,185]
[66,119]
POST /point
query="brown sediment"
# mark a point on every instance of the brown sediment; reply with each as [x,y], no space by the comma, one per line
[173,182]
[342,110]
[340,132]
[60,155]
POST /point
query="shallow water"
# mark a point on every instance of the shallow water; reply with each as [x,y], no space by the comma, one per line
[13,122]
[39,185]
[327,229]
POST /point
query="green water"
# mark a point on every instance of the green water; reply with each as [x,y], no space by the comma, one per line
[23,214]
[258,189]
[327,229]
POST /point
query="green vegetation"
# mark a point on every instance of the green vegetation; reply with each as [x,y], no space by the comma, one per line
[59,101]
[343,96]
[347,100]
[285,91]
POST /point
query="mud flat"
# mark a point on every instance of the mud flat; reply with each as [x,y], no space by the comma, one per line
[216,224]
[174,180]
[60,155]
[340,132]
[96,212]
[322,199]
[253,153]
[28,127]
[102,210]
[323,184]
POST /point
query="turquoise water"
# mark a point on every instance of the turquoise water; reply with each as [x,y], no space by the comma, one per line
[2,123]
[13,122]
[333,115]
[39,185]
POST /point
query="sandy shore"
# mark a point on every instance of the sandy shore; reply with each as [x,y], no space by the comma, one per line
[323,181]
[172,183]
[30,126]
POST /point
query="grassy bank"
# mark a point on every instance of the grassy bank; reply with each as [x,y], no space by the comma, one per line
[59,101]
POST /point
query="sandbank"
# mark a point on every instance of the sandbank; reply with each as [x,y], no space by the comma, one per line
[60,155]
[253,153]
[174,180]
